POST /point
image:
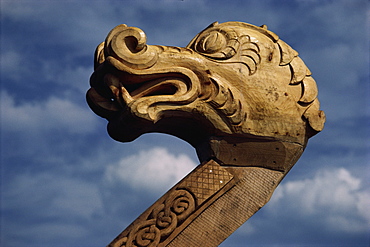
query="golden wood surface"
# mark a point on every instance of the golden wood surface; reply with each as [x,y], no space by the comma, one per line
[238,94]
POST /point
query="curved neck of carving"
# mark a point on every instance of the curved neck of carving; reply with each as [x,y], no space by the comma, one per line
[239,152]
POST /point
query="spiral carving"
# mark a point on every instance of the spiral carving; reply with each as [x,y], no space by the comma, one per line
[128,45]
[162,221]
[166,222]
[146,235]
[182,203]
[217,44]
[224,43]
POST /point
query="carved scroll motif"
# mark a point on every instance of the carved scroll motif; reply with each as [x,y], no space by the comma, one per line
[162,221]
[172,211]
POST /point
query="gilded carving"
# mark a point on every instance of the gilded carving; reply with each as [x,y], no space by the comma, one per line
[234,77]
[241,96]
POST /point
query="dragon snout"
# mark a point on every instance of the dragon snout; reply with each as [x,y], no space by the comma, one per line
[128,46]
[131,75]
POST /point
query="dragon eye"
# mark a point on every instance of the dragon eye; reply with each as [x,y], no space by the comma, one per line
[211,42]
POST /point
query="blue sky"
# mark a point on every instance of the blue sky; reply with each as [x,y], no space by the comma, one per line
[65,182]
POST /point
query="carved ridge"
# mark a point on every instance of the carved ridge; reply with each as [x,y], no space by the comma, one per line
[227,105]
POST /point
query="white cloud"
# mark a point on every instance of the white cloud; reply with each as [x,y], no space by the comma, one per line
[335,198]
[62,209]
[77,198]
[51,114]
[51,195]
[75,79]
[12,66]
[152,170]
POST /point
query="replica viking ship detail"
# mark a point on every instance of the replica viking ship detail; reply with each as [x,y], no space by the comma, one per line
[238,94]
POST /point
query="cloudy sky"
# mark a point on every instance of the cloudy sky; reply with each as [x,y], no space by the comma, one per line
[64,182]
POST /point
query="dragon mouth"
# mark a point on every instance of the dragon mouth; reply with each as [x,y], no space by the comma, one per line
[131,77]
[117,91]
[142,88]
[155,85]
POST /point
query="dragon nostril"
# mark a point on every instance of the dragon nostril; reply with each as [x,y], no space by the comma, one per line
[132,44]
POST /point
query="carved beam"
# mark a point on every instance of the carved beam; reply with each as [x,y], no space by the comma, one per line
[237,93]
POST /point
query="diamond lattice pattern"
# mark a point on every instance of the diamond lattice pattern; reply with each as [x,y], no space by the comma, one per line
[207,180]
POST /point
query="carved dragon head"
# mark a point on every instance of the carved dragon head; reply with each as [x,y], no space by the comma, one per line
[233,79]
[241,96]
